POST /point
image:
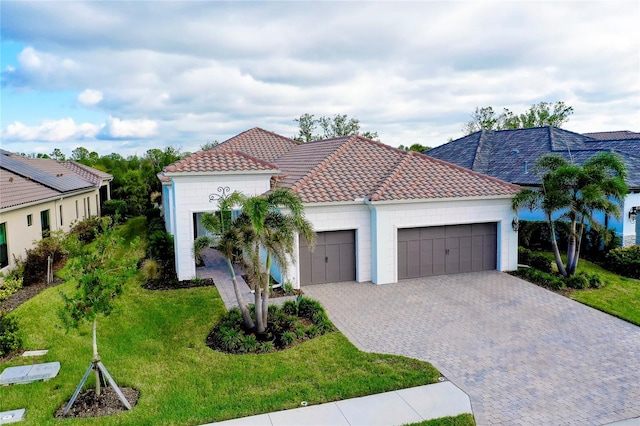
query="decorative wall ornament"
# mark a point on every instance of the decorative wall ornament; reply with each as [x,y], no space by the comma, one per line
[223,191]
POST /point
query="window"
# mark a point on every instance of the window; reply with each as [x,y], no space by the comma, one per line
[44,223]
[97,205]
[29,219]
[77,211]
[89,205]
[84,204]
[61,223]
[4,253]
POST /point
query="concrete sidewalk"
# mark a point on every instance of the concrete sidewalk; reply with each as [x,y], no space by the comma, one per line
[401,407]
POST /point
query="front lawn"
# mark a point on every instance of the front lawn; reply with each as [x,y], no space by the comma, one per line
[155,342]
[620,297]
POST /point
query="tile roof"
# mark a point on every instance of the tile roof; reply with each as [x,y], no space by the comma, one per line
[614,135]
[219,161]
[26,180]
[260,143]
[346,169]
[17,190]
[511,155]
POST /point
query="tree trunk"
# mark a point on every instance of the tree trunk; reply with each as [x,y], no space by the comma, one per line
[554,246]
[96,358]
[574,266]
[260,326]
[267,290]
[571,248]
[246,316]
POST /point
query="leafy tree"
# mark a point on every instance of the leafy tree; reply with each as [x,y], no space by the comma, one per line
[80,154]
[57,155]
[101,272]
[541,114]
[575,192]
[415,147]
[330,127]
[211,144]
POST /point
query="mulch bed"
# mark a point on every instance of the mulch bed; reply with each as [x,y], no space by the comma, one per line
[277,291]
[163,285]
[107,403]
[26,293]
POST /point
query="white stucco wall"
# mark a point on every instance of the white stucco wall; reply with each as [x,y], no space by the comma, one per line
[629,229]
[190,194]
[389,217]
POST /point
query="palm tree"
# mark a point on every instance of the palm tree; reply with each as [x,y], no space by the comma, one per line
[271,224]
[576,192]
[226,238]
[264,232]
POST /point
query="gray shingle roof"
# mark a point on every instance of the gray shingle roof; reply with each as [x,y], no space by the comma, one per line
[511,155]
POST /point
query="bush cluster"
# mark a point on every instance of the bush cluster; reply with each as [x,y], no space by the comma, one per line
[288,325]
[88,229]
[35,266]
[624,261]
[10,339]
[535,260]
[115,209]
[579,281]
[159,268]
[8,286]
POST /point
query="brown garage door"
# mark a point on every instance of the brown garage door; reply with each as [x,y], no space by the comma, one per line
[440,250]
[333,259]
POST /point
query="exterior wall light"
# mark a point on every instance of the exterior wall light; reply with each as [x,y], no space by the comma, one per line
[515,224]
[633,214]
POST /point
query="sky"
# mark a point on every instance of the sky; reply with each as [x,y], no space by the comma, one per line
[125,77]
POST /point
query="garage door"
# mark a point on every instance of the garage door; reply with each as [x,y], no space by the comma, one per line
[333,259]
[439,250]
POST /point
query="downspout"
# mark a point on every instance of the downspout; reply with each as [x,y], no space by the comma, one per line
[374,240]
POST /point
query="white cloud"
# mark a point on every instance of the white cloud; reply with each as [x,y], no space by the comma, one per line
[89,97]
[115,128]
[50,131]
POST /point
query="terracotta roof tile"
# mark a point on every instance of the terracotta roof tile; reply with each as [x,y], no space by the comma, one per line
[260,143]
[219,161]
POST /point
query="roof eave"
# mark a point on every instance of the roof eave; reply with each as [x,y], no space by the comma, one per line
[443,199]
[225,172]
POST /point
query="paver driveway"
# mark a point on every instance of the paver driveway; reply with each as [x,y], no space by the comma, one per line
[524,355]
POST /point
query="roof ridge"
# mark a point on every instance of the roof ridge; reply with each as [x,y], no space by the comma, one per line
[387,182]
[324,163]
[481,143]
[241,135]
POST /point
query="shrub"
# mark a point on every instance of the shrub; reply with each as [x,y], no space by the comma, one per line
[35,266]
[10,339]
[115,208]
[577,281]
[8,286]
[307,308]
[87,229]
[535,260]
[624,261]
[551,281]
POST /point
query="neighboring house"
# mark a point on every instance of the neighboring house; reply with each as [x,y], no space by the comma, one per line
[381,214]
[511,155]
[40,195]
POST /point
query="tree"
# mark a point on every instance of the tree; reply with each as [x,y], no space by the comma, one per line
[416,147]
[209,145]
[575,192]
[264,233]
[101,273]
[331,127]
[57,155]
[538,115]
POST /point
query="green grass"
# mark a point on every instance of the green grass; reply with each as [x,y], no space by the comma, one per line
[155,342]
[461,420]
[620,297]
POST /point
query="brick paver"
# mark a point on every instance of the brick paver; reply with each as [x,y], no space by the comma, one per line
[523,354]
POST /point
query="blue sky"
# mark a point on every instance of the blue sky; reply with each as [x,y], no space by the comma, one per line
[125,77]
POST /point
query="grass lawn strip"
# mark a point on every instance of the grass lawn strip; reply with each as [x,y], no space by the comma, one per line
[620,297]
[155,342]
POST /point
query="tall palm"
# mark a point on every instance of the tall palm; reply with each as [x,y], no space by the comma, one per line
[226,238]
[275,219]
[576,193]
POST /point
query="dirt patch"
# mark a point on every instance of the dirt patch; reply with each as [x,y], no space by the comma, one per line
[108,403]
[160,285]
[26,293]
